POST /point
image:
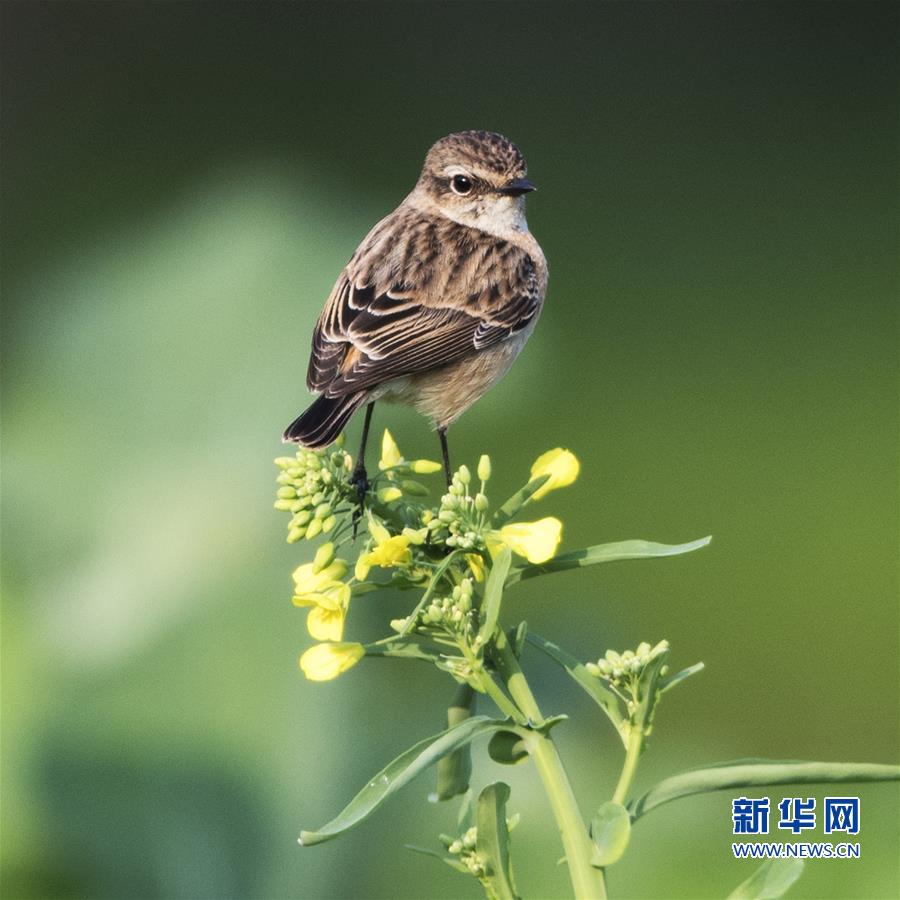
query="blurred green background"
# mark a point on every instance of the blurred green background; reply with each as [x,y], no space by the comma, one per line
[182,183]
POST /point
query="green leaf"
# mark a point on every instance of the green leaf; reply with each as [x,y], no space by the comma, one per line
[465,816]
[492,842]
[400,772]
[670,682]
[455,769]
[603,553]
[610,832]
[493,594]
[744,773]
[770,881]
[516,637]
[518,500]
[602,696]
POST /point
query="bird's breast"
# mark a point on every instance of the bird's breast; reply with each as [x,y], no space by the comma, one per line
[444,394]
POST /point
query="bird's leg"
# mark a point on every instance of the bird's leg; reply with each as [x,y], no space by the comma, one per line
[360,479]
[445,450]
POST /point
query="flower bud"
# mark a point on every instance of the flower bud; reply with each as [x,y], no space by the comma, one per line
[484,467]
[323,511]
[294,535]
[389,494]
[329,523]
[314,529]
[413,488]
[465,476]
[425,466]
[324,556]
[481,502]
[416,536]
[283,505]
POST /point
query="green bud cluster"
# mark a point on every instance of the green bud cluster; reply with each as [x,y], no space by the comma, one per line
[312,485]
[461,520]
[625,669]
[464,848]
[455,614]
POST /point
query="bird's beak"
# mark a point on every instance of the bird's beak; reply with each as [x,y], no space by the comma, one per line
[516,187]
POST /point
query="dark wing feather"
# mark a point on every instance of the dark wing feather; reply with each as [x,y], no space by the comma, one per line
[377,326]
[417,340]
[329,347]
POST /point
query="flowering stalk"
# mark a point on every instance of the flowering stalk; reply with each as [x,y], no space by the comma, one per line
[459,556]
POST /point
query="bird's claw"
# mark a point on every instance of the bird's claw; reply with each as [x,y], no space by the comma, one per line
[359,480]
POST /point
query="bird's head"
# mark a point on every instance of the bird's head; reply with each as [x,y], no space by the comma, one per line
[476,178]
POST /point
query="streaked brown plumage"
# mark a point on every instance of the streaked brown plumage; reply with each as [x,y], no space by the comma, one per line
[438,299]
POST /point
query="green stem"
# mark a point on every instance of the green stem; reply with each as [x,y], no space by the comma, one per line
[488,686]
[632,754]
[492,689]
[587,882]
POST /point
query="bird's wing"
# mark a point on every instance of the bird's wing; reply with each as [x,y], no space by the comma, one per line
[408,302]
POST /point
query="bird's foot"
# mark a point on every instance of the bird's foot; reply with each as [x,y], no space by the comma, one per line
[359,480]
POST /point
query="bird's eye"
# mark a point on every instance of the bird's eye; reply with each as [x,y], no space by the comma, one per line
[461,185]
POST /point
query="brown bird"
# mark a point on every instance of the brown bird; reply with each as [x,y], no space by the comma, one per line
[437,301]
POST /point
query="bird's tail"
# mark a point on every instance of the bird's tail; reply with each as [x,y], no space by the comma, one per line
[324,420]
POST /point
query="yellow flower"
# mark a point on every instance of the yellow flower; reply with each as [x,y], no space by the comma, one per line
[326,661]
[326,624]
[476,564]
[332,595]
[390,452]
[308,581]
[391,552]
[377,530]
[325,621]
[536,541]
[561,465]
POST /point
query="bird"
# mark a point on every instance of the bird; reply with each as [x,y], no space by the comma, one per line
[437,301]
